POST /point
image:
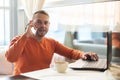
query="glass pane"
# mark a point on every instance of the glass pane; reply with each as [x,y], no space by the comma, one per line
[4,27]
[87,18]
[1,3]
[7,27]
[7,3]
[4,3]
[1,27]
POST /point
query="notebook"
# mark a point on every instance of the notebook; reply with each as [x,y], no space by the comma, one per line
[18,77]
[101,65]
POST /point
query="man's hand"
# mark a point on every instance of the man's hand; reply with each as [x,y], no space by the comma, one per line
[90,56]
[29,32]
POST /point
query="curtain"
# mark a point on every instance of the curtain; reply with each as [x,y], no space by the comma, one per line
[30,6]
[98,16]
[117,17]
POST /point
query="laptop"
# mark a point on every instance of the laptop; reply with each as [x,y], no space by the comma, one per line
[102,64]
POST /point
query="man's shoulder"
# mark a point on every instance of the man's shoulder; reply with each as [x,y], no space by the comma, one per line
[17,37]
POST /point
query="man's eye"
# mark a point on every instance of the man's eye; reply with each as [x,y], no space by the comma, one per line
[46,23]
[39,22]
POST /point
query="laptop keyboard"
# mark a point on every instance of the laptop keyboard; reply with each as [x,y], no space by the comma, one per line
[97,64]
[101,63]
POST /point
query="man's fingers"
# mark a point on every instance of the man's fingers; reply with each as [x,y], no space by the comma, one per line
[94,56]
[90,56]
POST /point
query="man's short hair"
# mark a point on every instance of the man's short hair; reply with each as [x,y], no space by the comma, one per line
[42,12]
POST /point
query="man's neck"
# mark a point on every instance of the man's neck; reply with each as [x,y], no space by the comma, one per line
[38,38]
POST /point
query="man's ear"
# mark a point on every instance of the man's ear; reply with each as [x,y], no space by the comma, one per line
[49,23]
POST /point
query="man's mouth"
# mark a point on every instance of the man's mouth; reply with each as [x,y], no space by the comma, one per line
[42,30]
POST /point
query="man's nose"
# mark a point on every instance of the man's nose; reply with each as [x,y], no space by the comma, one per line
[42,24]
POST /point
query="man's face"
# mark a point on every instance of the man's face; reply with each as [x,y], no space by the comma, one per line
[41,24]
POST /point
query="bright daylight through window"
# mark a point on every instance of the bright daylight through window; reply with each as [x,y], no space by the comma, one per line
[83,18]
[4,22]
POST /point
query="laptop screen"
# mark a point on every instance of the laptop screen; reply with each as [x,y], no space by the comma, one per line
[98,42]
[93,42]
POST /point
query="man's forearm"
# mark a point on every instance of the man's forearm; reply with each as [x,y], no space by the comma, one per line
[16,49]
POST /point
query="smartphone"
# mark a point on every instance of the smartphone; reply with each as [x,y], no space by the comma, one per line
[33,30]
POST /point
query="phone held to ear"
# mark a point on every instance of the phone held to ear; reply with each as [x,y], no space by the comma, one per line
[33,30]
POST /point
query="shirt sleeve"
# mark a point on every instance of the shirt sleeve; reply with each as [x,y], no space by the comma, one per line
[16,48]
[68,52]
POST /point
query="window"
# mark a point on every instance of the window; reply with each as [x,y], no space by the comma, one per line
[94,17]
[4,22]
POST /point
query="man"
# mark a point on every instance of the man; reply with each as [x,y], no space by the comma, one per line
[116,39]
[34,51]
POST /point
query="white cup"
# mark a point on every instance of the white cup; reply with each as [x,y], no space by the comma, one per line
[61,66]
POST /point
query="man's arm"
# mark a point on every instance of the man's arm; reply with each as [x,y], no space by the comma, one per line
[74,54]
[17,45]
[16,48]
[67,52]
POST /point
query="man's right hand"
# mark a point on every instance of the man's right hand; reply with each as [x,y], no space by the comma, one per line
[29,32]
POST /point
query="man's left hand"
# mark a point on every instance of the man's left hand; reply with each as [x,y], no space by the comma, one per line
[90,56]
